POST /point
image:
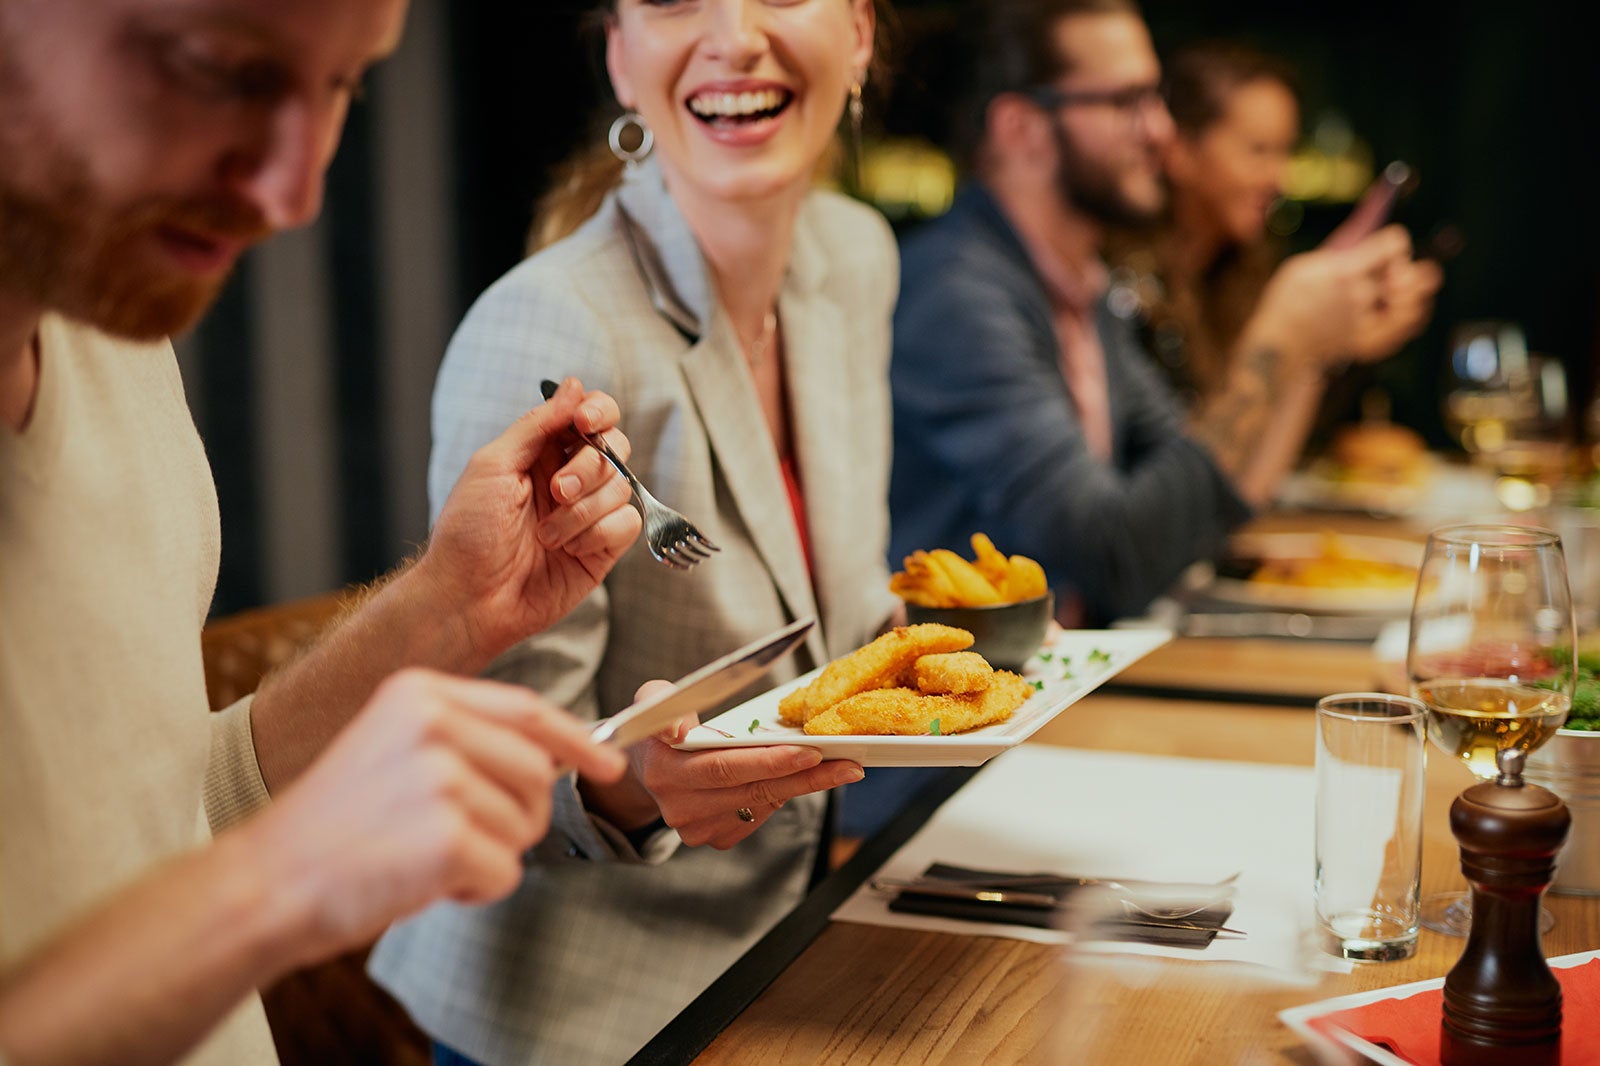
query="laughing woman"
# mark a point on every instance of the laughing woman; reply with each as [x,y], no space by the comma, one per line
[742,320]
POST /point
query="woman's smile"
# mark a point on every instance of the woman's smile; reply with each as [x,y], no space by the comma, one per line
[742,112]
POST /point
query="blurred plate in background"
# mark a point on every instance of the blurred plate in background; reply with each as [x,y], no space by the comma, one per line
[1317,572]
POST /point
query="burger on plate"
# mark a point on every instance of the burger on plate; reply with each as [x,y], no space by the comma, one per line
[1379,453]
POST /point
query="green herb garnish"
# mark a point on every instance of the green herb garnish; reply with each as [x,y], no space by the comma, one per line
[1098,656]
[933,727]
[1038,686]
[1585,711]
[1584,714]
[755,723]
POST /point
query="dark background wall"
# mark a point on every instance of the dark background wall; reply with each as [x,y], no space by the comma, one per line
[310,380]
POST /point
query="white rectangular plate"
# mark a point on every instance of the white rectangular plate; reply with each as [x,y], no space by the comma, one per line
[1070,666]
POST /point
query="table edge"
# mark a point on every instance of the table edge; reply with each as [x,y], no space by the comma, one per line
[698,1024]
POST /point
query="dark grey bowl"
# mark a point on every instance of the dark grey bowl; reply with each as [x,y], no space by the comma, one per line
[1006,634]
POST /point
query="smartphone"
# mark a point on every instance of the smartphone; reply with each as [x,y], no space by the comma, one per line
[1394,184]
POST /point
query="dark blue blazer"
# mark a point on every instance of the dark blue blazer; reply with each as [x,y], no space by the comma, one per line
[986,436]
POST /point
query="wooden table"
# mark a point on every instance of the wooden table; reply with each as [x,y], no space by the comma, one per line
[862,994]
[1251,671]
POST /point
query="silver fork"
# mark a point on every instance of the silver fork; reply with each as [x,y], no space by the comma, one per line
[672,539]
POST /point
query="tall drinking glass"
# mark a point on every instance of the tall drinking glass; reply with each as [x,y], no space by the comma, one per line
[1370,757]
[1491,655]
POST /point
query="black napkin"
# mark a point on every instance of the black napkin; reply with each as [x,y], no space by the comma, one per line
[1193,931]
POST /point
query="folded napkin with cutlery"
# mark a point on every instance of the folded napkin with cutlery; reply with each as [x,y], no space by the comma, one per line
[967,894]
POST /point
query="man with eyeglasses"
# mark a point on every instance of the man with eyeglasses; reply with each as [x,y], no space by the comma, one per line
[1024,406]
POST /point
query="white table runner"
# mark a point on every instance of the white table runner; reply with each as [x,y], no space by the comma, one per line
[1113,814]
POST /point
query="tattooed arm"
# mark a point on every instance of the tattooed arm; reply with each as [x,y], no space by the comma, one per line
[1318,309]
[1257,424]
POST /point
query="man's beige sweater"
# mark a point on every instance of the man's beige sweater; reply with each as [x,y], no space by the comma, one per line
[109,758]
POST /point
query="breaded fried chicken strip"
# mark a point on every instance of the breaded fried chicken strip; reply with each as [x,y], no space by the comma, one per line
[948,674]
[875,666]
[902,712]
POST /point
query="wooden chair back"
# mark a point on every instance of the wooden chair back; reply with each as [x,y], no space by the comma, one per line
[332,1012]
[240,649]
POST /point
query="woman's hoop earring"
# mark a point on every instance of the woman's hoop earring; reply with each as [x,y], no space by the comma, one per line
[631,156]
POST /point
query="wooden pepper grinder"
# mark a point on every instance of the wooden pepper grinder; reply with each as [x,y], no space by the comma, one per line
[1501,1002]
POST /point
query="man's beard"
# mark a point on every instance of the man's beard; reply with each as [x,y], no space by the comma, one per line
[1092,188]
[59,260]
[65,250]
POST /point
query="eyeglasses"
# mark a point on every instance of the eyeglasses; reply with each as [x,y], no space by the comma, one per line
[1131,103]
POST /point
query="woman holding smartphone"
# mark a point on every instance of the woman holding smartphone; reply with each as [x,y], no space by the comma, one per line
[741,318]
[1214,281]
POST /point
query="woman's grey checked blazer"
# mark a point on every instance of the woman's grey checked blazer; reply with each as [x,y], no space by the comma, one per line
[601,946]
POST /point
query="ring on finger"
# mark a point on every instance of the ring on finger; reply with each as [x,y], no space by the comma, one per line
[745,814]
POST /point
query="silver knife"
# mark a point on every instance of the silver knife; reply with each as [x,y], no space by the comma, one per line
[963,891]
[701,691]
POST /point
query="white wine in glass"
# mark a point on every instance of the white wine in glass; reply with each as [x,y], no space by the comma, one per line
[1491,656]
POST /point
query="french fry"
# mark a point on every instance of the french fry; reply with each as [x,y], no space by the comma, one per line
[911,590]
[1024,579]
[941,578]
[972,588]
[989,560]
[927,580]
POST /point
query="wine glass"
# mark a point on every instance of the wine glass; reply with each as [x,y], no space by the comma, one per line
[1489,384]
[1490,655]
[1532,460]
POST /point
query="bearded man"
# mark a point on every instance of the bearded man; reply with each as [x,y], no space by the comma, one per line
[144,145]
[1024,406]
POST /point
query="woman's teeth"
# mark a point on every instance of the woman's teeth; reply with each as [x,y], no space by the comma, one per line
[738,107]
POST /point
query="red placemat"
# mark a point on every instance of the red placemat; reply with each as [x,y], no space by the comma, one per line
[1409,1026]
